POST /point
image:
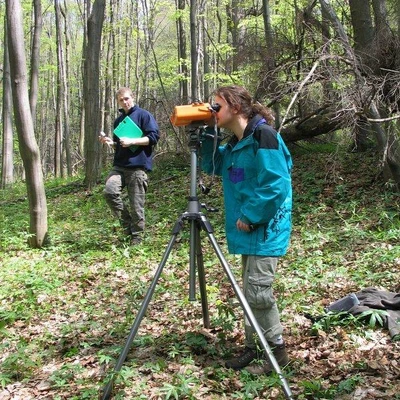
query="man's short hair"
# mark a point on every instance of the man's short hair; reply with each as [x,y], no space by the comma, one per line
[123,90]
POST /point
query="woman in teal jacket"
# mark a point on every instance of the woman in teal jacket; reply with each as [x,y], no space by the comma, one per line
[256,170]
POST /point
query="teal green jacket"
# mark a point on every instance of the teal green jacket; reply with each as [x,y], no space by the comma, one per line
[256,176]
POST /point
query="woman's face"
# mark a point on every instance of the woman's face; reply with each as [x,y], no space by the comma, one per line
[226,115]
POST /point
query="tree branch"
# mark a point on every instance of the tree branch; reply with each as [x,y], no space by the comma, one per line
[383,119]
[309,75]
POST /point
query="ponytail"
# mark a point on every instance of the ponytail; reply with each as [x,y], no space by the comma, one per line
[265,112]
[239,98]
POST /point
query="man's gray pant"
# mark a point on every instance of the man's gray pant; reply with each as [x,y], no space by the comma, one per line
[258,275]
[132,217]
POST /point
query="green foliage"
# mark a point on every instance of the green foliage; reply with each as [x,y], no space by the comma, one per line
[66,309]
[182,386]
[374,317]
[333,319]
[196,342]
[316,389]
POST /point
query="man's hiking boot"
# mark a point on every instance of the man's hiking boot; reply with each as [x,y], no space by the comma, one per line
[263,366]
[135,240]
[242,360]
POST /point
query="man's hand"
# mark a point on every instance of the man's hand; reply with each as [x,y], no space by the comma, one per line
[127,142]
[141,141]
[105,139]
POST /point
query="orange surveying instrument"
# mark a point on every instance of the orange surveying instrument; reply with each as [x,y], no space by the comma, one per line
[186,115]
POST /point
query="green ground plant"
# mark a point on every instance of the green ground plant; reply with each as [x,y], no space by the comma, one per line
[66,309]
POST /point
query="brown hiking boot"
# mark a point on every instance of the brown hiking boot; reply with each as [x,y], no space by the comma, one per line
[242,360]
[264,366]
[135,240]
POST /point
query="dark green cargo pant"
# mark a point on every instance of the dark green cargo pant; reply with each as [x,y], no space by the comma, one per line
[131,216]
[258,276]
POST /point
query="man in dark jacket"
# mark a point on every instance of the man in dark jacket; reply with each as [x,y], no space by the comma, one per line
[132,161]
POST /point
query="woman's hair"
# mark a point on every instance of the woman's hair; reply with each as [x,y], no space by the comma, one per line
[239,98]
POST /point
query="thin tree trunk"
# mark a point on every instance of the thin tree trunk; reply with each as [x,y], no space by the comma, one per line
[182,55]
[66,102]
[108,76]
[91,92]
[35,57]
[58,146]
[193,51]
[138,53]
[81,141]
[271,63]
[233,17]
[7,165]
[24,123]
[206,57]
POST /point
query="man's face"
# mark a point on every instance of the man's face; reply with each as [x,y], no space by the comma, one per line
[125,101]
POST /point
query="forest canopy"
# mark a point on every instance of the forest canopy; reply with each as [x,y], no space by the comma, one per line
[322,66]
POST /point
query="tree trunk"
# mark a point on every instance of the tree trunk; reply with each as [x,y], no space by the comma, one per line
[91,93]
[66,97]
[24,123]
[388,144]
[58,145]
[271,84]
[7,165]
[108,79]
[397,8]
[182,55]
[233,17]
[35,58]
[81,141]
[193,51]
[206,57]
[137,61]
[362,25]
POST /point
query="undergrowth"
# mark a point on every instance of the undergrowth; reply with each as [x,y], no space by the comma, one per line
[66,309]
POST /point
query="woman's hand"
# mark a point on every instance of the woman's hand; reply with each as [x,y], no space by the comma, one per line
[242,226]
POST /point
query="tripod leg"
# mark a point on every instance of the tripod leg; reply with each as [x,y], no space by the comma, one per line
[247,310]
[107,391]
[192,260]
[202,279]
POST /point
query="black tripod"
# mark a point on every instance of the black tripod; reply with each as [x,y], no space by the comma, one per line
[197,221]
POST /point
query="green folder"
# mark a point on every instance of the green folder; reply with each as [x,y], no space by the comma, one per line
[127,128]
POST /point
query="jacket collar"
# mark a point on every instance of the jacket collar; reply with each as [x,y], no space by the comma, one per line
[122,111]
[252,125]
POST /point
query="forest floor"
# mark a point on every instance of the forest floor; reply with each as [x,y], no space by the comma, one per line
[67,309]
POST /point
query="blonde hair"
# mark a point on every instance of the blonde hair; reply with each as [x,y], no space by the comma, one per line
[123,90]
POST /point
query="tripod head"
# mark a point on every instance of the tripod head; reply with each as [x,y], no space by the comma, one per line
[195,130]
[197,134]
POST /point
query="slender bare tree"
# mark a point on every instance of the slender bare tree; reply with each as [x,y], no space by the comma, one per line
[91,92]
[182,54]
[35,57]
[7,165]
[66,98]
[194,57]
[23,120]
[59,134]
